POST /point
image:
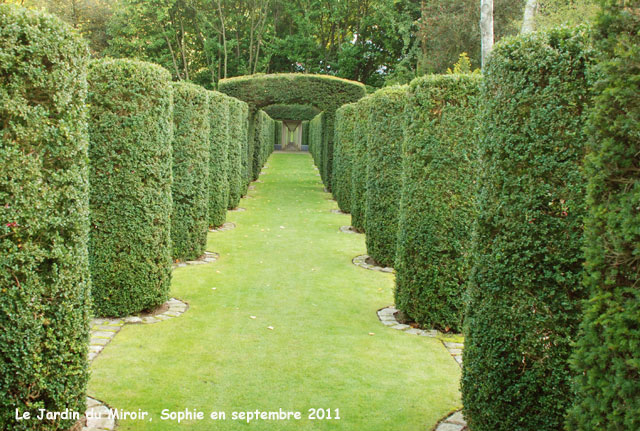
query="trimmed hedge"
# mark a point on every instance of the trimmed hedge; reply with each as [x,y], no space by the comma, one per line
[44,266]
[189,219]
[263,141]
[606,361]
[434,233]
[384,172]
[359,166]
[291,112]
[342,158]
[525,289]
[237,149]
[219,158]
[131,131]
[325,93]
[315,136]
[277,138]
[305,133]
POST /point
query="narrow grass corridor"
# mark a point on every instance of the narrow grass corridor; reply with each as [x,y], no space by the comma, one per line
[286,264]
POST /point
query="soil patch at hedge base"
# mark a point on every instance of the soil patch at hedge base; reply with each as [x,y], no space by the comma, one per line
[154,311]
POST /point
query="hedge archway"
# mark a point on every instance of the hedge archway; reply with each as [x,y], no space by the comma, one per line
[323,92]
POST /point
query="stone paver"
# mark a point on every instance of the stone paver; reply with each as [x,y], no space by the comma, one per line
[454,422]
[387,317]
[98,417]
[349,229]
[207,257]
[337,211]
[226,226]
[361,261]
[238,209]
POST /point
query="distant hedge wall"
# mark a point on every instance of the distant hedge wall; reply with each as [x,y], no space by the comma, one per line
[291,112]
[359,166]
[384,172]
[606,362]
[323,92]
[434,233]
[526,286]
[131,130]
[342,158]
[237,148]
[219,144]
[189,222]
[44,267]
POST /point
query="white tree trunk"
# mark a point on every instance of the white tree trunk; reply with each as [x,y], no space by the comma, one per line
[528,23]
[486,29]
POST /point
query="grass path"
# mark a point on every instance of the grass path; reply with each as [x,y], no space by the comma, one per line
[287,264]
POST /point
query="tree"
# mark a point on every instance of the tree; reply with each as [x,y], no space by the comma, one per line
[486,28]
[528,22]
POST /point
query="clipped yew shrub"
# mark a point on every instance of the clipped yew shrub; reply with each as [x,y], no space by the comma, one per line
[526,290]
[244,138]
[606,361]
[237,144]
[263,141]
[324,93]
[189,218]
[315,137]
[219,158]
[342,158]
[437,212]
[278,132]
[384,172]
[291,112]
[44,266]
[131,131]
[359,164]
[305,133]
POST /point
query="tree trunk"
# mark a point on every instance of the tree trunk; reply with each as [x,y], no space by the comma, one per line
[224,37]
[528,23]
[486,29]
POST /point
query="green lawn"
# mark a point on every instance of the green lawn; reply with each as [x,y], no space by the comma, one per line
[287,264]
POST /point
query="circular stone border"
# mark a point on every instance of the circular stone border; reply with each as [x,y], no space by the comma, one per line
[251,187]
[228,225]
[349,229]
[387,317]
[337,211]
[207,257]
[238,209]
[99,419]
[361,261]
[453,422]
[104,329]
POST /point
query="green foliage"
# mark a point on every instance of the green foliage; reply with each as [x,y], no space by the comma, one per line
[359,164]
[291,112]
[555,13]
[342,158]
[316,129]
[325,93]
[130,128]
[432,266]
[263,141]
[462,66]
[607,359]
[525,288]
[237,149]
[44,266]
[305,133]
[384,172]
[219,144]
[189,222]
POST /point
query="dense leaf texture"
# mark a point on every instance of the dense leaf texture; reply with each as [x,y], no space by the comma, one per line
[384,172]
[44,266]
[434,237]
[359,165]
[264,136]
[316,128]
[131,130]
[189,223]
[291,112]
[607,360]
[237,149]
[342,157]
[219,158]
[324,93]
[525,289]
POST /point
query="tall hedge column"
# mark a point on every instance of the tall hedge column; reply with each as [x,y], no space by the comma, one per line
[44,266]
[436,217]
[219,159]
[384,173]
[359,166]
[342,158]
[526,286]
[607,358]
[189,218]
[131,130]
[236,147]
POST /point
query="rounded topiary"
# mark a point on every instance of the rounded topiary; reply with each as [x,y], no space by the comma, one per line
[359,165]
[525,290]
[44,267]
[315,138]
[219,158]
[606,361]
[342,158]
[236,147]
[291,112]
[131,130]
[434,233]
[384,172]
[189,217]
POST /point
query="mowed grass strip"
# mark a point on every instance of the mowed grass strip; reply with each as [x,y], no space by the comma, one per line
[286,264]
